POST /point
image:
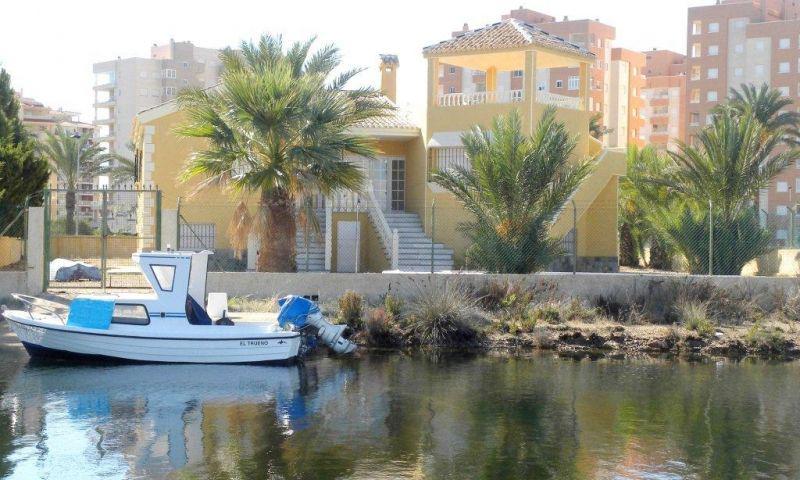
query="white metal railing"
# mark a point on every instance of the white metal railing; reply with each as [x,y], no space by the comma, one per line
[388,236]
[560,101]
[480,98]
[346,201]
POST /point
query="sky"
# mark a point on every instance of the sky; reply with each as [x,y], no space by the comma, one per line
[49,46]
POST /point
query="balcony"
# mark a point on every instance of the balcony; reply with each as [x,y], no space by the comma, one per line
[559,101]
[480,98]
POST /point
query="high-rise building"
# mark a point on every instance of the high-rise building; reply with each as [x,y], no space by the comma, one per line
[562,83]
[664,98]
[126,86]
[736,42]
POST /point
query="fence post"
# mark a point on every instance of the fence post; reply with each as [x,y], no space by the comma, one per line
[103,240]
[395,250]
[574,238]
[157,243]
[46,224]
[433,231]
[178,226]
[710,237]
[36,250]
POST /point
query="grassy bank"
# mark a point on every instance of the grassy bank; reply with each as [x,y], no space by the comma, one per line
[678,317]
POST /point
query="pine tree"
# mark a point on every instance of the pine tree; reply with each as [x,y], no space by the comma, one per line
[23,171]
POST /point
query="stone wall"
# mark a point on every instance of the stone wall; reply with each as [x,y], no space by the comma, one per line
[588,286]
[12,282]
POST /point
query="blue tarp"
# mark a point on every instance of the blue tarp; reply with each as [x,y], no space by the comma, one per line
[91,312]
[294,310]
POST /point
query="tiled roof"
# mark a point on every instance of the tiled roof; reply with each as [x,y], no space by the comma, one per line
[397,118]
[510,33]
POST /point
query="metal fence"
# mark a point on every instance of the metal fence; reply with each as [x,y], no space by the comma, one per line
[91,234]
[13,236]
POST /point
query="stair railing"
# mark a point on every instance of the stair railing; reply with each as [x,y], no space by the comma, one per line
[389,238]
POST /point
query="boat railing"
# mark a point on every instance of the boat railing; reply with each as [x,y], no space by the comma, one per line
[30,304]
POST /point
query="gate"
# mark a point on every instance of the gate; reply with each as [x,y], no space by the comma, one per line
[90,235]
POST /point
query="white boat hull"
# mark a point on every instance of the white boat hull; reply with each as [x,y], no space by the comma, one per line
[195,344]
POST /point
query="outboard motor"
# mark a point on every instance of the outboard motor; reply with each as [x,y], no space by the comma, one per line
[302,312]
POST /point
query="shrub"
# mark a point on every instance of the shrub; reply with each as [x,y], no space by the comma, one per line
[791,307]
[694,316]
[548,312]
[444,316]
[351,310]
[381,330]
[393,306]
[763,338]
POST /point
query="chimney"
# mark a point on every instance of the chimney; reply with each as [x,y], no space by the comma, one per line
[389,66]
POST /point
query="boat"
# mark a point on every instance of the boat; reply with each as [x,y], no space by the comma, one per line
[170,325]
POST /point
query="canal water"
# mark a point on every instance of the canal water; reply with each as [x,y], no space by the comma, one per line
[397,416]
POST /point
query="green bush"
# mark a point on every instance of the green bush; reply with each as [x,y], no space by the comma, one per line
[765,338]
[393,306]
[444,316]
[351,310]
[694,316]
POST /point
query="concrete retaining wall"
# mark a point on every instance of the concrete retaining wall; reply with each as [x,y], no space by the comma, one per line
[12,282]
[588,286]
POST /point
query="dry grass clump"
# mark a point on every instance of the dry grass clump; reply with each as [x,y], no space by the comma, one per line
[251,304]
[381,329]
[694,316]
[444,315]
[351,310]
[765,338]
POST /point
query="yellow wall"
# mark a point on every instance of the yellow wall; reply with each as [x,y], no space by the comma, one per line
[10,250]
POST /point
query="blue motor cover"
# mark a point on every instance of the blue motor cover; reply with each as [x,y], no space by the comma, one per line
[294,310]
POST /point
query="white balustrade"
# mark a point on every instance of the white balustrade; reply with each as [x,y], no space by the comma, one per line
[480,98]
[560,101]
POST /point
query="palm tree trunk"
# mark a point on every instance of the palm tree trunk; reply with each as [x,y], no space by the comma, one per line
[660,258]
[70,227]
[277,233]
[627,247]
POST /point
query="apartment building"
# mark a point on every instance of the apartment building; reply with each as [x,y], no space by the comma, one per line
[625,104]
[735,42]
[597,38]
[126,86]
[39,119]
[664,97]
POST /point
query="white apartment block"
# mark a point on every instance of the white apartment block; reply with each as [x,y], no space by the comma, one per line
[126,86]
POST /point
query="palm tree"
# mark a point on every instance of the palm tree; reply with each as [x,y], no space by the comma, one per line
[278,124]
[768,106]
[716,182]
[71,157]
[515,188]
[596,127]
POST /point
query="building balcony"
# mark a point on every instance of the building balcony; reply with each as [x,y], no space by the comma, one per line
[480,98]
[104,121]
[105,86]
[111,102]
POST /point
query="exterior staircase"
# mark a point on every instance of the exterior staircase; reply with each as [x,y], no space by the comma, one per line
[415,246]
[315,261]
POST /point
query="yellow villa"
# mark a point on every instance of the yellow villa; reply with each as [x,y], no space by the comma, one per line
[402,220]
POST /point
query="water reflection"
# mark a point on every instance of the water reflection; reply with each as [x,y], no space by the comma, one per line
[397,416]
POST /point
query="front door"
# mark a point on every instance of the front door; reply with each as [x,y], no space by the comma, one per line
[379,176]
[347,246]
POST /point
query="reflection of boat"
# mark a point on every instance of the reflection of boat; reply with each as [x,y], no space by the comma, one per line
[120,417]
[169,325]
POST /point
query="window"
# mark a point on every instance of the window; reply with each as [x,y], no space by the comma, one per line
[713,73]
[694,119]
[738,48]
[711,96]
[797,185]
[695,97]
[782,187]
[759,70]
[784,91]
[165,276]
[696,50]
[516,74]
[713,50]
[185,82]
[696,72]
[185,64]
[170,91]
[738,72]
[573,83]
[170,73]
[452,70]
[784,67]
[559,84]
[713,27]
[709,119]
[739,23]
[451,90]
[781,210]
[785,43]
[130,315]
[697,27]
